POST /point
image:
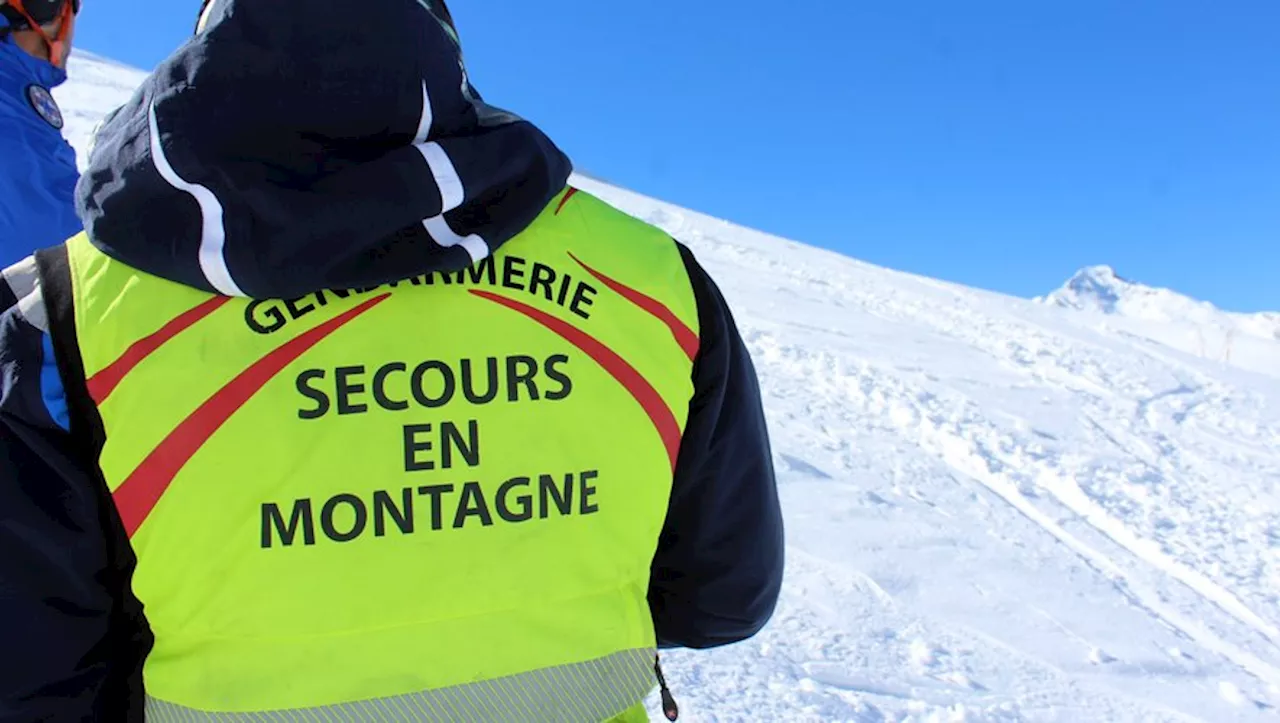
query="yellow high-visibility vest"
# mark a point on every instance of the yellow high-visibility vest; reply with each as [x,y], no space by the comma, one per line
[437,499]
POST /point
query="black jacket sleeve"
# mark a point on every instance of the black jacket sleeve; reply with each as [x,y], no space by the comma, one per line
[718,568]
[72,636]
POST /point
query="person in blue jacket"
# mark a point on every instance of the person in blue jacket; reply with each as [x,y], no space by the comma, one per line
[37,166]
[319,189]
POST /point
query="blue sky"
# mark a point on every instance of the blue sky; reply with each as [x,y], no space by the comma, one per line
[1002,144]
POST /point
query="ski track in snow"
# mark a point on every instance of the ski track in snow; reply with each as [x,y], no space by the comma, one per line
[997,510]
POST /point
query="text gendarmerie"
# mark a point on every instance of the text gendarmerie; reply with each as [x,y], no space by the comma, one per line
[412,510]
[511,272]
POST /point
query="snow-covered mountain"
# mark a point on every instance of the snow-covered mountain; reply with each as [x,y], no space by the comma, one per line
[1100,289]
[1250,341]
[998,509]
[97,87]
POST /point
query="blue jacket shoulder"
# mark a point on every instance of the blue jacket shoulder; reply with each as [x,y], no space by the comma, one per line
[38,177]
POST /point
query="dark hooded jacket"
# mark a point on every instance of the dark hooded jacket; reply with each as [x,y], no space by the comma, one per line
[315,140]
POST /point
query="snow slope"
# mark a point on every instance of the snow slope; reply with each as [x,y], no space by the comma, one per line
[998,509]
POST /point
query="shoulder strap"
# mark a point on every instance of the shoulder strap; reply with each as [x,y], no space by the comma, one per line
[130,635]
[59,299]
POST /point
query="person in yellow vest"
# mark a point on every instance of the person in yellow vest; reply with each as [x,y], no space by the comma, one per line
[346,407]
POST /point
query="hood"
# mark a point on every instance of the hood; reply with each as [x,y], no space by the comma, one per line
[293,147]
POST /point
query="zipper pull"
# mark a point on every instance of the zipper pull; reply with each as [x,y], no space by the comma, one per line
[669,707]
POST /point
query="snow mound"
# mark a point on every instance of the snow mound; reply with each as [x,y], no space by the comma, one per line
[997,510]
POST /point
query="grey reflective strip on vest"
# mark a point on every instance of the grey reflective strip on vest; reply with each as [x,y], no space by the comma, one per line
[23,280]
[588,692]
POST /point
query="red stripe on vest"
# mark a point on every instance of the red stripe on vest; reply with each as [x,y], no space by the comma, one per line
[104,382]
[140,492]
[565,199]
[681,331]
[626,375]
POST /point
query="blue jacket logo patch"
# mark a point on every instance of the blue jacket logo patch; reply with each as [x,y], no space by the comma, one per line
[45,106]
